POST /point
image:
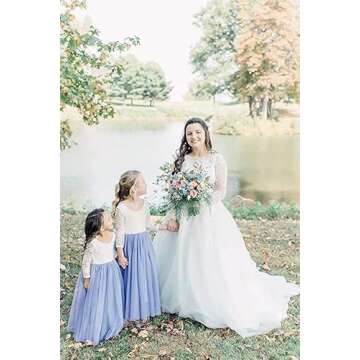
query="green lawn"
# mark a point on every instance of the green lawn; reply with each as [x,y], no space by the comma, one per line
[274,244]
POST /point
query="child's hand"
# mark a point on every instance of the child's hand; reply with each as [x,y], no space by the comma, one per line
[172,225]
[86,283]
[123,262]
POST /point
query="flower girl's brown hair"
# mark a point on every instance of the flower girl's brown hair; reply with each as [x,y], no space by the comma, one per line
[124,187]
[93,223]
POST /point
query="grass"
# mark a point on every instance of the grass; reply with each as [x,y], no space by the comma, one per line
[226,119]
[236,121]
[273,244]
[272,211]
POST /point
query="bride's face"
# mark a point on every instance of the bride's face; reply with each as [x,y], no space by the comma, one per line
[195,136]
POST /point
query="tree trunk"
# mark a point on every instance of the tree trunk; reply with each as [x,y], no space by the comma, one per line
[251,103]
[269,110]
[260,108]
[265,105]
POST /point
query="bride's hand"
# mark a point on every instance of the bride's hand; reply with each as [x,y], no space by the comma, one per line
[173,225]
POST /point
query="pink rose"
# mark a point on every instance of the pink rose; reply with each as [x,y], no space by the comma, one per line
[175,184]
[193,193]
[194,185]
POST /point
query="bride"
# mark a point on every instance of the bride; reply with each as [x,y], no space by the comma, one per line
[205,270]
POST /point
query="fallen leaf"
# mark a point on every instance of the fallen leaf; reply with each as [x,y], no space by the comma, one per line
[62,267]
[76,345]
[278,333]
[290,333]
[102,350]
[205,356]
[134,331]
[134,351]
[180,325]
[224,333]
[143,334]
[177,332]
[162,352]
[169,327]
[62,322]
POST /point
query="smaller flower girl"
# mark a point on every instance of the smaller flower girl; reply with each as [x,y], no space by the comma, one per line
[98,305]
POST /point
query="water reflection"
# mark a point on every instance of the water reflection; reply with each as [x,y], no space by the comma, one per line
[259,168]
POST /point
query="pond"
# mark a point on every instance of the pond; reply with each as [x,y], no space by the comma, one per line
[260,168]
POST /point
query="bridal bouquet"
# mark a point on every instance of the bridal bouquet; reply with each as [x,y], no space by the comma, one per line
[185,191]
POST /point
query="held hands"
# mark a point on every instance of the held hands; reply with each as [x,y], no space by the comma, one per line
[121,259]
[86,283]
[123,262]
[172,225]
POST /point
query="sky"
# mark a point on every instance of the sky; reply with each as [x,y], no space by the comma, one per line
[165,29]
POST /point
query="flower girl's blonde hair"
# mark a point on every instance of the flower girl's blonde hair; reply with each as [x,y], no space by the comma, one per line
[124,188]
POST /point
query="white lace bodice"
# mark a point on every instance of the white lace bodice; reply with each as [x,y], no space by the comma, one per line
[215,165]
[128,221]
[97,252]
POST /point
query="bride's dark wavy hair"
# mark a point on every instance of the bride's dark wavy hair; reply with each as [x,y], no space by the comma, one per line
[185,148]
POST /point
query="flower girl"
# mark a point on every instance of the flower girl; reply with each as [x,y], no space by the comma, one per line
[134,247]
[97,309]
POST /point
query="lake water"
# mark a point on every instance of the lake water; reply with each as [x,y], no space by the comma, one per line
[260,168]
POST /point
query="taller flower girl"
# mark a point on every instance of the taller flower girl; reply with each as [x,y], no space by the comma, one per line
[134,247]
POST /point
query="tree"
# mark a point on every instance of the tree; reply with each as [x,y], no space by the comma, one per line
[124,86]
[208,88]
[141,80]
[267,52]
[86,70]
[213,57]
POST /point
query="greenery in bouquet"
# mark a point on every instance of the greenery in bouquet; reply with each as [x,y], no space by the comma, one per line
[185,191]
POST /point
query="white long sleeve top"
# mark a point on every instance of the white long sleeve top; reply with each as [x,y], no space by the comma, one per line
[128,221]
[97,252]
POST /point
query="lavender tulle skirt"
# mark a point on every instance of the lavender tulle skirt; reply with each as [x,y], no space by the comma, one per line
[142,295]
[97,314]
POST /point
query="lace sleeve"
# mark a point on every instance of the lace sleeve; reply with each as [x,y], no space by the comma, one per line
[150,224]
[220,179]
[87,260]
[119,225]
[171,215]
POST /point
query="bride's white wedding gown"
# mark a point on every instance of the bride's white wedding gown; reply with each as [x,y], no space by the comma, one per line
[207,274]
